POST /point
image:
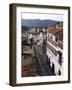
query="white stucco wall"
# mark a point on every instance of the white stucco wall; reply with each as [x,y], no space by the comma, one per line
[53,37]
[54,60]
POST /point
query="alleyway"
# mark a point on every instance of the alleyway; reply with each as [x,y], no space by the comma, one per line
[42,62]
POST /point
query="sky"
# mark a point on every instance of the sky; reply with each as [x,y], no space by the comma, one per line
[32,15]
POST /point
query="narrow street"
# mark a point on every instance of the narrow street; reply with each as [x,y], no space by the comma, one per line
[42,62]
[35,59]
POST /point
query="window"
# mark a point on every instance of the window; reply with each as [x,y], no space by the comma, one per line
[51,37]
[48,35]
[59,72]
[52,49]
[56,39]
[60,58]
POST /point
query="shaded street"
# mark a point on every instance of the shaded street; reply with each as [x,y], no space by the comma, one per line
[42,62]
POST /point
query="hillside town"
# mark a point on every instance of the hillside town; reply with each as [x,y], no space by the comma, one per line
[42,51]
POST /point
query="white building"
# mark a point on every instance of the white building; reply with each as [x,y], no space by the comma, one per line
[55,49]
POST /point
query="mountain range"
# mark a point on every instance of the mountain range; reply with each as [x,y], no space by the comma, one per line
[38,23]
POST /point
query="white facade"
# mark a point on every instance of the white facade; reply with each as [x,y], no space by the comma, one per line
[50,35]
[54,59]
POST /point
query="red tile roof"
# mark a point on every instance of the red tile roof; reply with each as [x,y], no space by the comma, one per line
[60,33]
[55,31]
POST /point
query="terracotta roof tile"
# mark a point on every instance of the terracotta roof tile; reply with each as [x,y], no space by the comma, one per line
[55,31]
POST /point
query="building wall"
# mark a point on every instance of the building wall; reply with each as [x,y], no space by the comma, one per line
[54,37]
[51,36]
[32,30]
[54,60]
[52,52]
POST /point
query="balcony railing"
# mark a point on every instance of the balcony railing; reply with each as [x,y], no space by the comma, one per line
[60,44]
[56,44]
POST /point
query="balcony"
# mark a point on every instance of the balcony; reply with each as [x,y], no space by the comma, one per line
[56,44]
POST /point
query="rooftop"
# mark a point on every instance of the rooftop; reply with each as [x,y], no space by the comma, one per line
[56,31]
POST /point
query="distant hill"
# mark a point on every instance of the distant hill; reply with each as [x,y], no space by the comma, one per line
[38,23]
